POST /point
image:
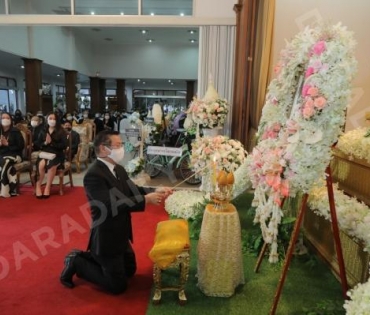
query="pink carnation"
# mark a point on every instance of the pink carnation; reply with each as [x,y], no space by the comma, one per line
[305,89]
[309,71]
[319,47]
[308,111]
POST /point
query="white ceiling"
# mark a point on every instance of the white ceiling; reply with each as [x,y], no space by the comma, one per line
[105,35]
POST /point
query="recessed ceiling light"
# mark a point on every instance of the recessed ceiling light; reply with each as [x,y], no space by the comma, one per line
[171,83]
[169,80]
[58,75]
[122,13]
[182,14]
[143,82]
[152,13]
[192,40]
[92,13]
[143,31]
[150,40]
[191,31]
[138,80]
[22,67]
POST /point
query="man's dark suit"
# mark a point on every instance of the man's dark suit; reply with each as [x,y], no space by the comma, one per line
[110,259]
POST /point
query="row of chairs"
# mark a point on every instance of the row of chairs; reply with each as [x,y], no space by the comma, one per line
[28,164]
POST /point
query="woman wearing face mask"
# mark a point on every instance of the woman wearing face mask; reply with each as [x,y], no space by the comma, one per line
[108,122]
[11,146]
[52,139]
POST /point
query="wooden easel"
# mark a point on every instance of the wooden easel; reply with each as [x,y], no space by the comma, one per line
[294,237]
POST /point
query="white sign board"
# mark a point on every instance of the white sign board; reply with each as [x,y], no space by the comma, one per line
[132,132]
[168,151]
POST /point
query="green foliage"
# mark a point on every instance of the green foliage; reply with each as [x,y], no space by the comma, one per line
[325,307]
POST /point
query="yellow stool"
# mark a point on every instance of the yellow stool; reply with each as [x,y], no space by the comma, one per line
[171,249]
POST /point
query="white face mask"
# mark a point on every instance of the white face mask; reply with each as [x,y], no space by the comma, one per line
[34,123]
[5,122]
[69,117]
[117,155]
[52,122]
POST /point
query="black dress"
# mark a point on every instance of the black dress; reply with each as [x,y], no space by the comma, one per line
[9,155]
[57,146]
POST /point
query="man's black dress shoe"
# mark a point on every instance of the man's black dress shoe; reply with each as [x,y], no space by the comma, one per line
[69,270]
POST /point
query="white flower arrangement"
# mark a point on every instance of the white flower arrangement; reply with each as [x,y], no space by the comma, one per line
[353,219]
[135,166]
[181,203]
[355,143]
[209,113]
[306,101]
[228,154]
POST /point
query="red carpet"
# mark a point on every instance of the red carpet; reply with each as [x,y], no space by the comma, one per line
[35,235]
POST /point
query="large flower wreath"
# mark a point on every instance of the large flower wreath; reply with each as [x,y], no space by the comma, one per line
[302,118]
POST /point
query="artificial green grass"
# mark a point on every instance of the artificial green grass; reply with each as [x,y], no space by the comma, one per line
[306,285]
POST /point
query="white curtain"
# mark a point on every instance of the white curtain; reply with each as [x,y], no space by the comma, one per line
[216,62]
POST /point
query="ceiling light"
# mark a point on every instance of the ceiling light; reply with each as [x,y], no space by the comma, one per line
[22,67]
[92,13]
[144,31]
[138,80]
[150,40]
[152,13]
[191,31]
[169,81]
[143,82]
[192,40]
[122,13]
[58,75]
[182,14]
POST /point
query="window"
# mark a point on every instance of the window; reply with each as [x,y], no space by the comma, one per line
[87,7]
[8,94]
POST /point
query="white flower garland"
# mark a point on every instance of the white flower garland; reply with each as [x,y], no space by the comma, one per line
[355,144]
[181,203]
[353,219]
[301,119]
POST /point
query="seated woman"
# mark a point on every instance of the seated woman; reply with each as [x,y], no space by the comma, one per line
[52,139]
[11,147]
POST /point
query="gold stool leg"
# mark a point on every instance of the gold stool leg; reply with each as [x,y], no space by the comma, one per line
[157,285]
[184,274]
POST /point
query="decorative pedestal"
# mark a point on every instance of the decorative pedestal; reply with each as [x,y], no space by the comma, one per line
[220,264]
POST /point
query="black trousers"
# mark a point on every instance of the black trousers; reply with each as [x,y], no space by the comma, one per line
[109,272]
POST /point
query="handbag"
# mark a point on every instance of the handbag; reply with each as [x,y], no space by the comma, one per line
[47,155]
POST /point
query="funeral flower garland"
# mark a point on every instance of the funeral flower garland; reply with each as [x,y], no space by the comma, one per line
[227,153]
[355,143]
[301,119]
[208,113]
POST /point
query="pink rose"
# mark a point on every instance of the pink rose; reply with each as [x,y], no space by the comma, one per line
[313,91]
[320,102]
[309,71]
[309,102]
[308,111]
[319,47]
[292,126]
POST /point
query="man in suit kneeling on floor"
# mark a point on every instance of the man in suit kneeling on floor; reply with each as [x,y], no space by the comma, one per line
[110,259]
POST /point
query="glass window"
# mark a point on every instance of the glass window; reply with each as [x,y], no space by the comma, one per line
[172,7]
[85,91]
[12,100]
[61,7]
[2,7]
[110,92]
[88,7]
[4,100]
